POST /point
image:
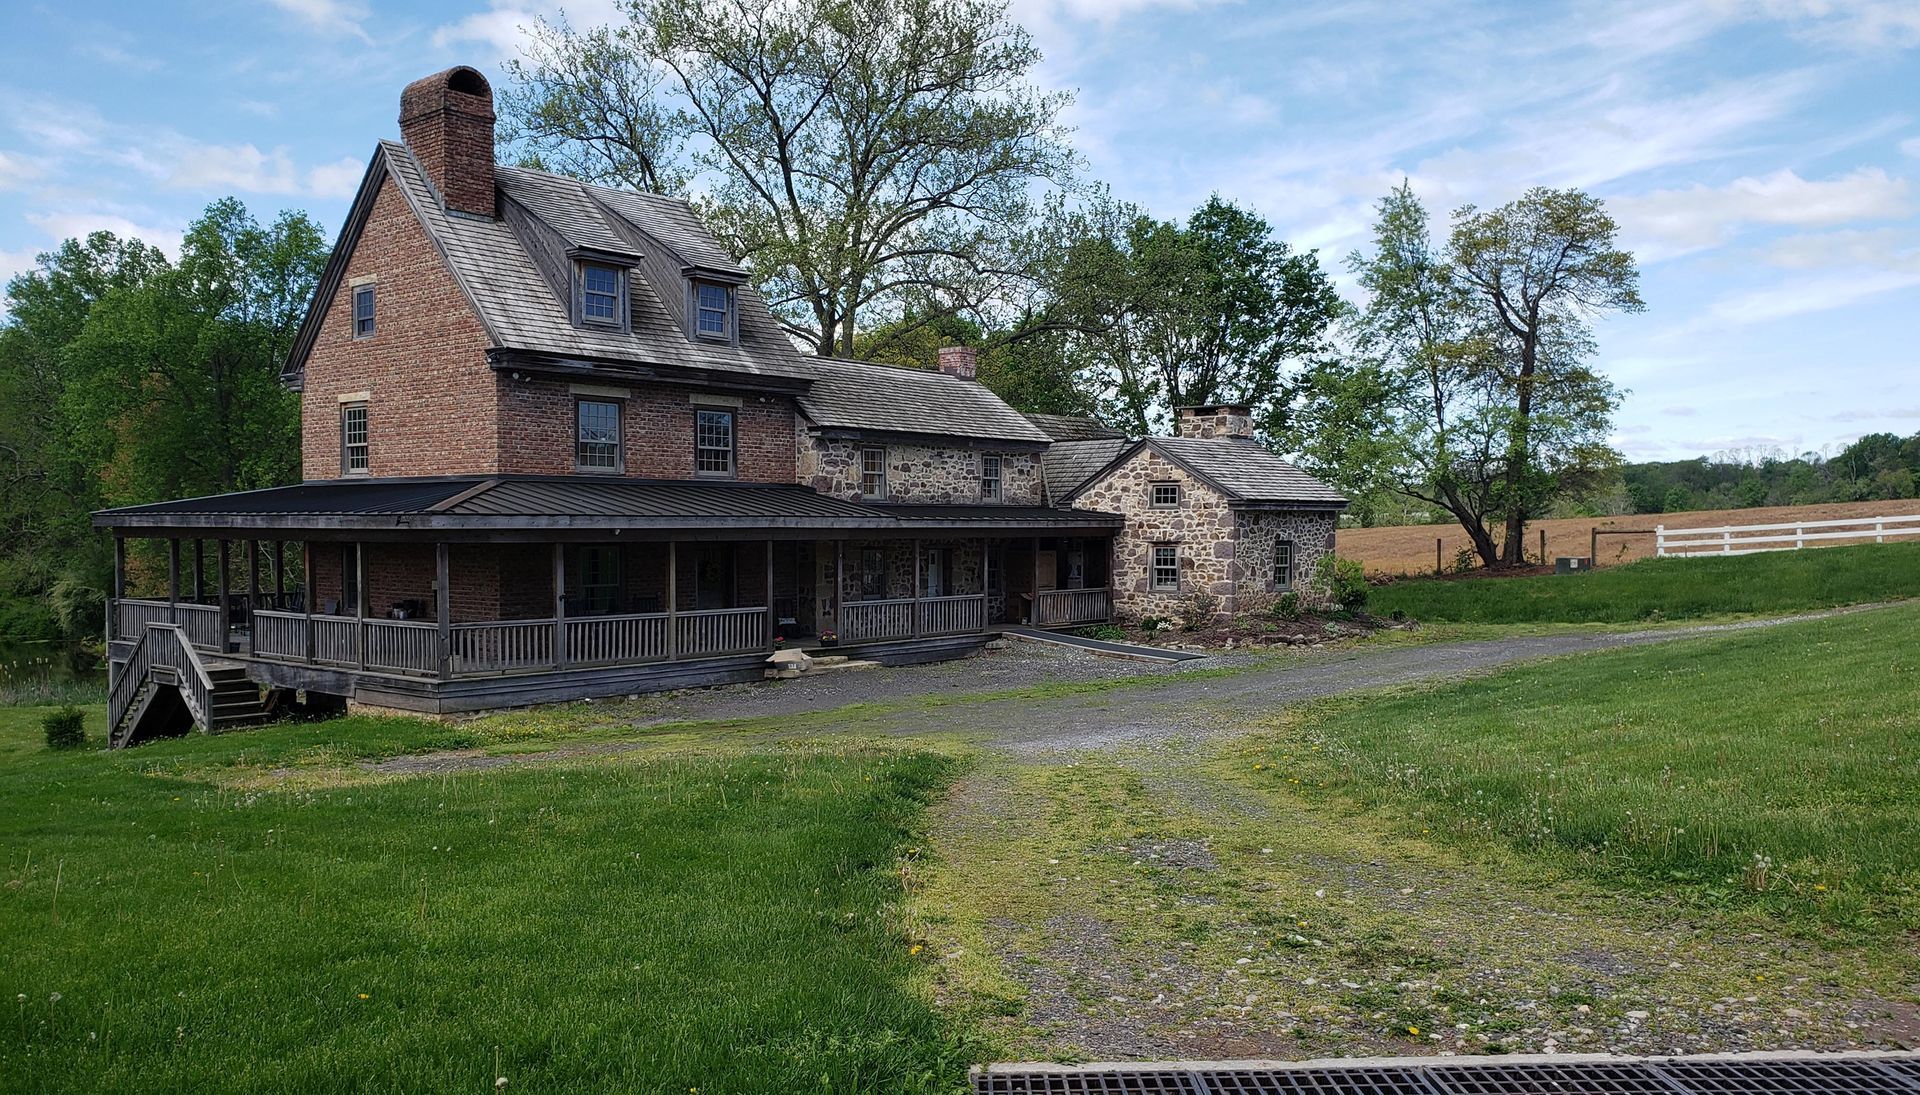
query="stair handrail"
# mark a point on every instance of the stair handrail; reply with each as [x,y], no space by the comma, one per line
[127,685]
[196,684]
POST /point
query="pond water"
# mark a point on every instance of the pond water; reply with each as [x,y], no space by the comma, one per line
[50,673]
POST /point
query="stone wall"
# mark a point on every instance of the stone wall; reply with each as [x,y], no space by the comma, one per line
[918,473]
[1224,553]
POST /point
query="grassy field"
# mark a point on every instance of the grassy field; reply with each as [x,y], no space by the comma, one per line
[1773,768]
[719,923]
[1776,582]
[1408,549]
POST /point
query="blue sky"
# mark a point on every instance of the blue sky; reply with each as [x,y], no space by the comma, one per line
[1759,154]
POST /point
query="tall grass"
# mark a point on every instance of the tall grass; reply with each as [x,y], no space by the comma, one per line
[1782,581]
[1779,768]
[714,924]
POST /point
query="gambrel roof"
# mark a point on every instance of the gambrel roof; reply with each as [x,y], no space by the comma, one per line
[1243,470]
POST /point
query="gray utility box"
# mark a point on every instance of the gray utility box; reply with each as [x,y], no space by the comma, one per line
[1572,564]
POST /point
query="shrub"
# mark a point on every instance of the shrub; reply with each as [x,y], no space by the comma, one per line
[1465,559]
[1343,582]
[1286,606]
[1197,610]
[1104,632]
[1151,624]
[66,728]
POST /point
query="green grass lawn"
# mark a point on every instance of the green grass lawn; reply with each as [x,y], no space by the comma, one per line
[1775,582]
[725,923]
[1776,767]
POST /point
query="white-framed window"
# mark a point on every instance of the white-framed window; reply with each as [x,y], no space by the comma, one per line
[363,311]
[873,472]
[713,310]
[597,435]
[601,289]
[1166,567]
[1283,564]
[1165,496]
[713,442]
[353,439]
[989,478]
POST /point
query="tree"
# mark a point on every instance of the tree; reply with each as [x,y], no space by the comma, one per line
[1443,400]
[1165,315]
[1539,269]
[862,157]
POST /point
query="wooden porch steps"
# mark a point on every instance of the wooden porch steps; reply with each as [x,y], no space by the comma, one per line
[237,700]
[839,663]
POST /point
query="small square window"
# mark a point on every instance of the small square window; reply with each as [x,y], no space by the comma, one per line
[600,294]
[873,473]
[363,311]
[1166,496]
[713,307]
[1283,564]
[990,479]
[1166,567]
[353,439]
[597,435]
[713,443]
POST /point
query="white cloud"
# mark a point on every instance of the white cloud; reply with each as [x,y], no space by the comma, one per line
[1856,24]
[17,170]
[1664,223]
[1911,146]
[338,179]
[1802,296]
[502,28]
[1874,249]
[78,224]
[337,17]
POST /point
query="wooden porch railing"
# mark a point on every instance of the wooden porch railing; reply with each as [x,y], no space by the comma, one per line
[1055,607]
[952,615]
[200,622]
[721,631]
[407,646]
[865,621]
[502,646]
[617,640]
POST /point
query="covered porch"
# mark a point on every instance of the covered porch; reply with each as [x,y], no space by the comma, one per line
[430,601]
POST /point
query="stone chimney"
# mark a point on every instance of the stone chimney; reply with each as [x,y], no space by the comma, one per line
[447,120]
[1220,420]
[960,361]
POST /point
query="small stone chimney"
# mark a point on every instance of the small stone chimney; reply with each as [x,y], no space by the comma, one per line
[960,361]
[1220,420]
[447,120]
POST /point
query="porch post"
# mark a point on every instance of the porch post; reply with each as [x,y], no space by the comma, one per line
[673,598]
[224,617]
[839,586]
[280,575]
[443,608]
[1033,601]
[253,579]
[173,580]
[199,568]
[1111,561]
[119,583]
[918,550]
[773,621]
[307,591]
[360,603]
[559,605]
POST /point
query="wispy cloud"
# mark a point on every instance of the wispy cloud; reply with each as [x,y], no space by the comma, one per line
[333,17]
[1665,223]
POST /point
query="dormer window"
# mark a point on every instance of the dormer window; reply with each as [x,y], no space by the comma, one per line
[603,291]
[713,307]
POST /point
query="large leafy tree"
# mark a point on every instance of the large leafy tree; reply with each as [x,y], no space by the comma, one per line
[1165,314]
[865,158]
[1443,400]
[126,378]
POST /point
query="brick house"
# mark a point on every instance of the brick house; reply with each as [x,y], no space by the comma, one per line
[554,445]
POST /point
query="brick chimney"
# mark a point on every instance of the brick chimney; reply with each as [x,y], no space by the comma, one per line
[447,120]
[960,361]
[1220,420]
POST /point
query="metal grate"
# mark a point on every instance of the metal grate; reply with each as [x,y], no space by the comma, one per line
[1142,1082]
[1801,1077]
[1596,1078]
[1906,1067]
[1317,1081]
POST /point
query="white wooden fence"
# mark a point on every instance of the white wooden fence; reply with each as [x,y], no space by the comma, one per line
[1749,539]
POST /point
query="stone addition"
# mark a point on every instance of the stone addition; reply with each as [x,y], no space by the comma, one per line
[1224,552]
[924,474]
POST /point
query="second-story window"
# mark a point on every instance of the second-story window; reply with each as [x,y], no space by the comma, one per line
[713,443]
[1166,496]
[597,435]
[353,439]
[714,314]
[873,472]
[600,294]
[989,479]
[363,311]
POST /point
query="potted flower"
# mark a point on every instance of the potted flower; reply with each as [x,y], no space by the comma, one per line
[829,637]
